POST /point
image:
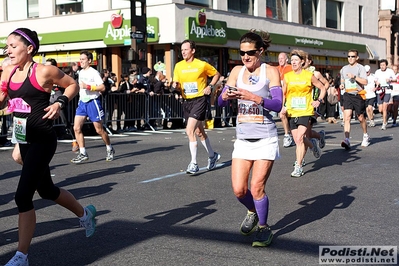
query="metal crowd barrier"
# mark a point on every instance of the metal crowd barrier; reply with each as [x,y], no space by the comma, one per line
[122,110]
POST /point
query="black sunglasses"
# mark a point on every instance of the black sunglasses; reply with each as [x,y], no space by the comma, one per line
[351,56]
[250,52]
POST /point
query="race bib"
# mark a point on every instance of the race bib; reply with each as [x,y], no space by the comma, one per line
[190,88]
[18,105]
[19,130]
[350,86]
[250,113]
[298,103]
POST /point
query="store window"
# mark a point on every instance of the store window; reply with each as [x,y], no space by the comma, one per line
[16,10]
[307,15]
[333,16]
[204,3]
[33,8]
[241,6]
[63,7]
[277,9]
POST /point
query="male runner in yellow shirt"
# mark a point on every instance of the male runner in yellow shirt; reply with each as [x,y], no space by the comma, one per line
[190,76]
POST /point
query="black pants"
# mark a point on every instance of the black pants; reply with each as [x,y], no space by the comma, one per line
[35,174]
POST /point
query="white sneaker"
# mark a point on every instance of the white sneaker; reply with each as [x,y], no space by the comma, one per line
[287,141]
[316,150]
[384,126]
[18,260]
[346,144]
[298,171]
[366,141]
[371,123]
[192,168]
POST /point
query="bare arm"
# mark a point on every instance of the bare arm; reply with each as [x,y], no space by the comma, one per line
[317,83]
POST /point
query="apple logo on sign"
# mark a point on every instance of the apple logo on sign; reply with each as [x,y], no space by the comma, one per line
[116,20]
[201,18]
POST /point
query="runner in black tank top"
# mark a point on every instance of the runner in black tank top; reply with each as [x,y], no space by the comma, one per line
[29,85]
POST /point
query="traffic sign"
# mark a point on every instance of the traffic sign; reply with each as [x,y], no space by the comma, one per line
[137,35]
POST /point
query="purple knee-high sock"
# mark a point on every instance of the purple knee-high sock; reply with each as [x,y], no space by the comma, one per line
[248,201]
[262,209]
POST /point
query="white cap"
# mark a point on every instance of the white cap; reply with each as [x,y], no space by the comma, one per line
[367,67]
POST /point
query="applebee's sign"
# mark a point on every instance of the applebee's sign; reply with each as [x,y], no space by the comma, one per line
[212,32]
[117,29]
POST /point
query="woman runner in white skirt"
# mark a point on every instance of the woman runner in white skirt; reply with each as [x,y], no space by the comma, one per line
[257,87]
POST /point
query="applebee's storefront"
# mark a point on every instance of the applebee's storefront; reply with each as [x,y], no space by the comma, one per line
[107,35]
[214,40]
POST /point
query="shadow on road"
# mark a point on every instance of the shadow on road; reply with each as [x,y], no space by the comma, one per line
[314,209]
[115,236]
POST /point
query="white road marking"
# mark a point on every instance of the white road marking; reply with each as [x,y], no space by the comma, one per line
[176,174]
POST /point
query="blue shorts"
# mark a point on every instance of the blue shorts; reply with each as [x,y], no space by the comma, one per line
[91,109]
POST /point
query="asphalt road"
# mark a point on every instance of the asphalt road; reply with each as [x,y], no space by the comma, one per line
[150,212]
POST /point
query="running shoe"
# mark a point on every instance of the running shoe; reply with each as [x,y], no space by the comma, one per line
[316,150]
[192,168]
[346,144]
[371,123]
[263,237]
[248,226]
[298,171]
[75,146]
[394,125]
[110,155]
[89,223]
[384,126]
[287,142]
[18,260]
[322,140]
[212,161]
[366,141]
[80,158]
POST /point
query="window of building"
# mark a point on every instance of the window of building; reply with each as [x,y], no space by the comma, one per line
[360,19]
[16,10]
[241,6]
[277,9]
[115,4]
[204,3]
[333,16]
[307,14]
[63,7]
[33,8]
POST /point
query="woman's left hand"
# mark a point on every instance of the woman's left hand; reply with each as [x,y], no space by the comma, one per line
[53,111]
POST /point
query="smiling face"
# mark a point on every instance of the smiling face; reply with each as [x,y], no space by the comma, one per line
[282,59]
[84,61]
[249,55]
[187,52]
[17,50]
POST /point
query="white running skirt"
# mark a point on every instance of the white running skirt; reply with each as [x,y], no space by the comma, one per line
[263,149]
